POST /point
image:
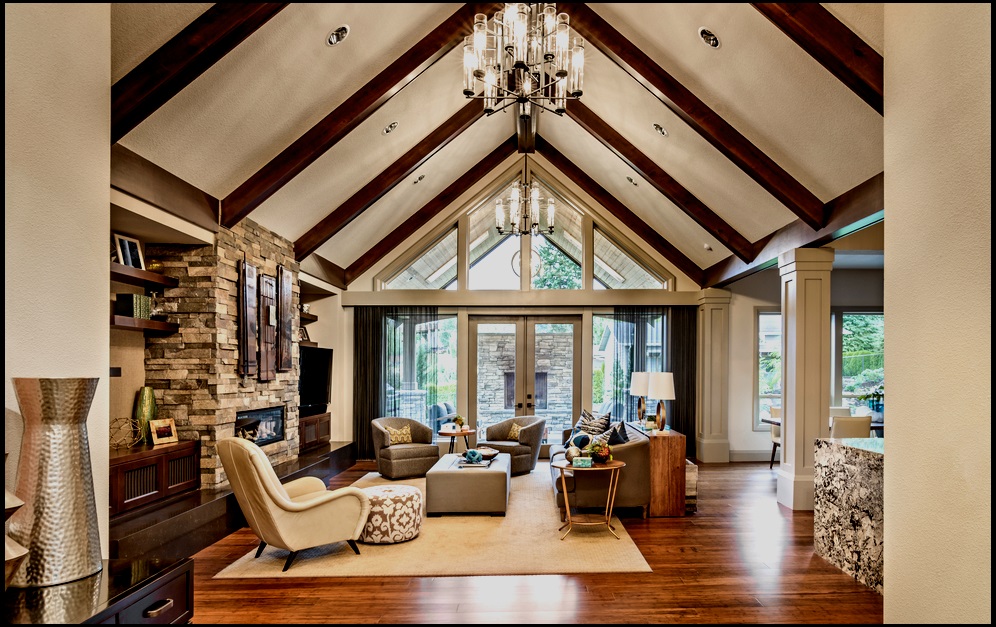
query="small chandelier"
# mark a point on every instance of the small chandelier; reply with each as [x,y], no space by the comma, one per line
[523,202]
[525,57]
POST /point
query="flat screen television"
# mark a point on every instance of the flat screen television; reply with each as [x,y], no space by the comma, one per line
[315,384]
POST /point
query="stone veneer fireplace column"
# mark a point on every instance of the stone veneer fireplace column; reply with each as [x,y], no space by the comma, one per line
[195,371]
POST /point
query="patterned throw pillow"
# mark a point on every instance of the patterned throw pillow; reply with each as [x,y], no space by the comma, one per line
[399,436]
[592,425]
[513,433]
[579,439]
[614,435]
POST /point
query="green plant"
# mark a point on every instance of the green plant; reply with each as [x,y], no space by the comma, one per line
[599,450]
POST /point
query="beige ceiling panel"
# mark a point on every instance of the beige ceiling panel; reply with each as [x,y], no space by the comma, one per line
[138,29]
[865,19]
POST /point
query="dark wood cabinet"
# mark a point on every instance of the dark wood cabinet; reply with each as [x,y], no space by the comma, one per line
[145,474]
[136,592]
[315,431]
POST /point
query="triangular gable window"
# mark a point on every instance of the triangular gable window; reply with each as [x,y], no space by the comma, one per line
[617,270]
[435,269]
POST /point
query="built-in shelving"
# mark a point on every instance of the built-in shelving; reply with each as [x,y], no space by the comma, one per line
[308,318]
[149,327]
[311,344]
[142,278]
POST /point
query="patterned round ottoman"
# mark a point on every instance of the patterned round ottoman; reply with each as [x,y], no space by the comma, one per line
[395,514]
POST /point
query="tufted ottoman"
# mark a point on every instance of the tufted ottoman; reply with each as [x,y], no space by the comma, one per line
[395,514]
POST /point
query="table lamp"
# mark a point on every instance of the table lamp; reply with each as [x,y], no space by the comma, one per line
[638,387]
[661,387]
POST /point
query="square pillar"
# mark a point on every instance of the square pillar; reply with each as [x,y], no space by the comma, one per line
[712,436]
[805,274]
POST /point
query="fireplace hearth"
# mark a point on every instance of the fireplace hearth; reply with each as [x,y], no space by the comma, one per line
[261,426]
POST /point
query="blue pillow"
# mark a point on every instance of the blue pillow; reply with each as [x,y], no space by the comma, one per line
[580,439]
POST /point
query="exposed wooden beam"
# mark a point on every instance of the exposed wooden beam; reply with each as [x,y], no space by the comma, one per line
[620,211]
[386,180]
[855,209]
[748,157]
[661,180]
[350,114]
[176,64]
[431,209]
[321,268]
[832,44]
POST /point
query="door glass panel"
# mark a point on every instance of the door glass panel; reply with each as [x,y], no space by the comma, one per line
[553,378]
[496,374]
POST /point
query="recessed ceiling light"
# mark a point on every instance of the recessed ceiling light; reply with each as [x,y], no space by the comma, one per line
[337,35]
[707,247]
[708,37]
[389,128]
[418,180]
[660,129]
[632,182]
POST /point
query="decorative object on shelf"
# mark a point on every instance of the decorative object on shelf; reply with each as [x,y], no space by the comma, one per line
[600,451]
[661,387]
[129,251]
[58,522]
[163,431]
[306,307]
[473,456]
[523,201]
[145,412]
[133,306]
[487,453]
[571,453]
[638,384]
[124,433]
[156,309]
[302,335]
[526,56]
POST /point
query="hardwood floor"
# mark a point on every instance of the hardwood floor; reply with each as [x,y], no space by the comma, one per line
[742,558]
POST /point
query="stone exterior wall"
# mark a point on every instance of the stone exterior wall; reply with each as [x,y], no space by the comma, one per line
[195,371]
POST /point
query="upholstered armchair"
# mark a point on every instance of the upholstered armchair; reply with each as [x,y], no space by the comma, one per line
[294,516]
[524,449]
[398,460]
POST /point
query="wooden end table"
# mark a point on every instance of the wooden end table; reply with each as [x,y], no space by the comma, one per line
[613,467]
[466,432]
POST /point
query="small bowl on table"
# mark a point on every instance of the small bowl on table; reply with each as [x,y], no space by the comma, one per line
[487,452]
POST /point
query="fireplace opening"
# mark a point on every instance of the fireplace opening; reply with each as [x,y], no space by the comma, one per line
[262,426]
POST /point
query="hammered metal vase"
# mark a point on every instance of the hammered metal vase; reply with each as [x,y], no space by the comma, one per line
[58,522]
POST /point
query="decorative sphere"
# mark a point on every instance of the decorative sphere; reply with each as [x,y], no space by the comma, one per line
[473,456]
[571,453]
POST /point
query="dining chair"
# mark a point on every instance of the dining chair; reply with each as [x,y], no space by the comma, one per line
[840,411]
[851,427]
[776,433]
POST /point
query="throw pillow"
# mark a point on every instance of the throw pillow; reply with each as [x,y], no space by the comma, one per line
[591,424]
[579,439]
[513,433]
[399,436]
[618,434]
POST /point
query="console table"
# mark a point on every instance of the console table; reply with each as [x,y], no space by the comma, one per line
[667,471]
[124,591]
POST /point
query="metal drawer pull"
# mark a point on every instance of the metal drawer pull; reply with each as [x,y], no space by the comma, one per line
[157,608]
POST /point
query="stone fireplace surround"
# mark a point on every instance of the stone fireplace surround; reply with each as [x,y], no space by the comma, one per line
[195,371]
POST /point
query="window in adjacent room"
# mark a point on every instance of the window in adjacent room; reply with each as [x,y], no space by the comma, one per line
[767,364]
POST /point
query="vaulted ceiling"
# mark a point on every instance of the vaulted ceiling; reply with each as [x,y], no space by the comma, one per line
[773,139]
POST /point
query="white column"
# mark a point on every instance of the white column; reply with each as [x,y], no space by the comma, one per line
[712,437]
[805,276]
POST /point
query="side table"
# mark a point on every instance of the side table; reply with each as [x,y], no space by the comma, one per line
[466,432]
[613,467]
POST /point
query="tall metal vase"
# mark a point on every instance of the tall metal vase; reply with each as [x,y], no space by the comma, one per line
[58,522]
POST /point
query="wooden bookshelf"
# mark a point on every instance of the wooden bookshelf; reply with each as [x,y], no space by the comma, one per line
[149,327]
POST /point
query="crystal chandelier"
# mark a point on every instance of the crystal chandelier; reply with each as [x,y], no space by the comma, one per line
[523,202]
[525,57]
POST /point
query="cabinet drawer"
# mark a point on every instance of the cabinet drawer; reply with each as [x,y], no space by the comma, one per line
[168,603]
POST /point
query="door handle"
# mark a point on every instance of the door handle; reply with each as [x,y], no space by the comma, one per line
[518,406]
[529,405]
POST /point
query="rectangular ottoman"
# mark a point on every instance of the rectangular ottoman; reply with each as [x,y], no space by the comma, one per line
[450,489]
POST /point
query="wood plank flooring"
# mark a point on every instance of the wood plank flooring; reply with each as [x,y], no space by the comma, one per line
[742,558]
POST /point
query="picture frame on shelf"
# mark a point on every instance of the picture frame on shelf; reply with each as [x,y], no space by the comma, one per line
[302,334]
[129,251]
[163,431]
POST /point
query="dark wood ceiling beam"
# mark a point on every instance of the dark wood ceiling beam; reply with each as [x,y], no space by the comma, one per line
[350,114]
[176,64]
[620,211]
[836,47]
[853,210]
[706,122]
[661,180]
[386,180]
[431,209]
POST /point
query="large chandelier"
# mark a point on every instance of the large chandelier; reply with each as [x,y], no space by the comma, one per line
[525,57]
[524,205]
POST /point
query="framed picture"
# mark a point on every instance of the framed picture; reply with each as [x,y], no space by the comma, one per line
[129,251]
[163,431]
[302,335]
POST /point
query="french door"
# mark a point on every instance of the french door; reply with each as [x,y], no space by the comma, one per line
[525,366]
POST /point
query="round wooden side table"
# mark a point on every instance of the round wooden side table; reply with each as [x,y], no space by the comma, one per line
[466,432]
[613,467]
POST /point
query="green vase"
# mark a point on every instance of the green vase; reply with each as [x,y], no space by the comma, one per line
[145,411]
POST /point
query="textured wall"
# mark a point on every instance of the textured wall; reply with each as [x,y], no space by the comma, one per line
[938,290]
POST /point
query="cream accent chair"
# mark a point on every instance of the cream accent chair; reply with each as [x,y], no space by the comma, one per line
[851,427]
[298,515]
[776,433]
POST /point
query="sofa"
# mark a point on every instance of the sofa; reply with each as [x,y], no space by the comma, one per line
[440,414]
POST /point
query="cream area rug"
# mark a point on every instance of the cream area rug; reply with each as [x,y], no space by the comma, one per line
[526,541]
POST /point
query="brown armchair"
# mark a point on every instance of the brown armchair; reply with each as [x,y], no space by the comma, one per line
[526,449]
[398,461]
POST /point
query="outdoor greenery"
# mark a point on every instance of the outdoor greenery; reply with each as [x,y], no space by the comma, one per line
[560,272]
[598,384]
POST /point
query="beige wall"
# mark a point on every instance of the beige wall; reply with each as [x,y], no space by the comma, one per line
[57,212]
[938,289]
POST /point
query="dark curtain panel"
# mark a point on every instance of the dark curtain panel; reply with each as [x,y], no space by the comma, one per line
[682,342]
[639,333]
[394,367]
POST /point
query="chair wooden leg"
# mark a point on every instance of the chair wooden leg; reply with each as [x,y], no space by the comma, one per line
[259,551]
[352,545]
[774,447]
[290,558]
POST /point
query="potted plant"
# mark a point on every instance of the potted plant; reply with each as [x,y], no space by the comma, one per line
[875,399]
[600,451]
